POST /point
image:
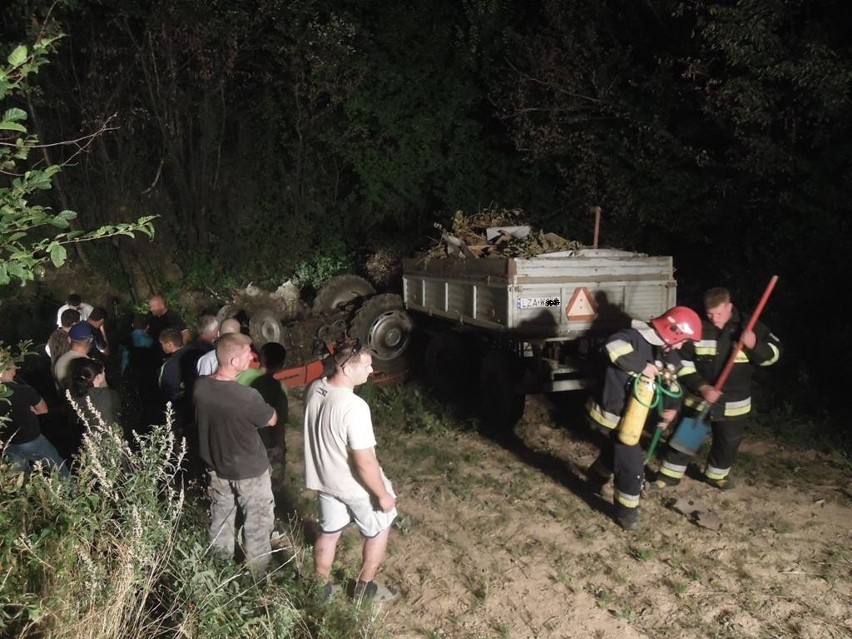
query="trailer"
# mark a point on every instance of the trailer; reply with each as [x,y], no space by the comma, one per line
[504,327]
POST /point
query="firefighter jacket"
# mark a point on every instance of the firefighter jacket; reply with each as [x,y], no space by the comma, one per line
[629,350]
[709,356]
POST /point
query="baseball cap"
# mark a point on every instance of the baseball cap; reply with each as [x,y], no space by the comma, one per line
[80,331]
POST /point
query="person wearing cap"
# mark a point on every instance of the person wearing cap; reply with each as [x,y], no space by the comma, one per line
[21,439]
[638,351]
[80,337]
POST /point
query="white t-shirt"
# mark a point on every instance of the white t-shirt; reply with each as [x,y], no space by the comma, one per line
[207,364]
[85,311]
[336,421]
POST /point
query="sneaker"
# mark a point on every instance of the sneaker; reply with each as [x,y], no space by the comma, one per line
[722,484]
[372,592]
[331,590]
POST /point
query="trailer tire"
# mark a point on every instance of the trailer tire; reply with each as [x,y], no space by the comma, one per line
[264,327]
[450,365]
[339,291]
[385,328]
[501,405]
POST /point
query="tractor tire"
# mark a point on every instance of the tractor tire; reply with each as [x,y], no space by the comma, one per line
[339,292]
[501,405]
[450,365]
[226,312]
[385,328]
[265,326]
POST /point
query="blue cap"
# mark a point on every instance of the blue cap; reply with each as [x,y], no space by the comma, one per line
[80,331]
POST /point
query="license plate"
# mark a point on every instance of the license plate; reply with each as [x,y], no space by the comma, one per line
[538,302]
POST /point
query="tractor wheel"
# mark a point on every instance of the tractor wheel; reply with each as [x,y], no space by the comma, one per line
[264,326]
[383,325]
[227,312]
[450,363]
[339,292]
[501,405]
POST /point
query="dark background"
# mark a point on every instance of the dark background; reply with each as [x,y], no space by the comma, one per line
[275,137]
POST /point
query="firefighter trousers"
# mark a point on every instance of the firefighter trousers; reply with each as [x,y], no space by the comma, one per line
[627,464]
[727,437]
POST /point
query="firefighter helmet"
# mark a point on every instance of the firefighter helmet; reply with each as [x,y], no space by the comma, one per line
[677,325]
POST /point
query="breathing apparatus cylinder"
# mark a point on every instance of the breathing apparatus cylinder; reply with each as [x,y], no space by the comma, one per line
[633,421]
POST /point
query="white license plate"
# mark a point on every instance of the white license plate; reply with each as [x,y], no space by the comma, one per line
[538,302]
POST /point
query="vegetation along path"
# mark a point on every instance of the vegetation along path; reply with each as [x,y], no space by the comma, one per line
[502,539]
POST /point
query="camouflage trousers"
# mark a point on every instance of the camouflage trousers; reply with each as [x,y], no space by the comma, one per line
[254,497]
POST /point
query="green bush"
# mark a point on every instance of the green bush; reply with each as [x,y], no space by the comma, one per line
[122,551]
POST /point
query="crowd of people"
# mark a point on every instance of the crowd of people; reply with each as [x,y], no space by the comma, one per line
[222,397]
[227,404]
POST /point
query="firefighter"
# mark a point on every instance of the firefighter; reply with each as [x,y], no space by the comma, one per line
[637,353]
[722,328]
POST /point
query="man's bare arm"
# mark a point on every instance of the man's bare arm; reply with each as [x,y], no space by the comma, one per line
[368,471]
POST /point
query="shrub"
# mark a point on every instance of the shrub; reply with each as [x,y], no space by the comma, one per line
[122,551]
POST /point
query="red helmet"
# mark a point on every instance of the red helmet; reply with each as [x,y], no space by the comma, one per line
[677,325]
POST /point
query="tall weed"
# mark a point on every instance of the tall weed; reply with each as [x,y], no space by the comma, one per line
[122,551]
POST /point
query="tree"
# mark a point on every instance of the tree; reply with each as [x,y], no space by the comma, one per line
[31,233]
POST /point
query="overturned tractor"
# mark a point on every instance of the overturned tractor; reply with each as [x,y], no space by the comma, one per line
[347,306]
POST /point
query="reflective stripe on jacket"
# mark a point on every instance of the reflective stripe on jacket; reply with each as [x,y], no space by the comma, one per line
[709,357]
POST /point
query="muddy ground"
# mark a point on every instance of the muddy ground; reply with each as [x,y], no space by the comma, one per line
[503,539]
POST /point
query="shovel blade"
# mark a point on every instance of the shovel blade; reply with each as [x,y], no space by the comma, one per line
[690,435]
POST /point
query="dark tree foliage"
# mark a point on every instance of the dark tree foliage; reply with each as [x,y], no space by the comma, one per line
[715,131]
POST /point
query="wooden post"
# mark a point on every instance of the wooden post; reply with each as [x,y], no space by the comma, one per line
[597,211]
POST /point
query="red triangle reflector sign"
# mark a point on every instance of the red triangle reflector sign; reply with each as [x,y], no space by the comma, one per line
[581,307]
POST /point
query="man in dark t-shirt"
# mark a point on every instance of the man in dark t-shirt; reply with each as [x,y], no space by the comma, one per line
[228,416]
[161,318]
[20,430]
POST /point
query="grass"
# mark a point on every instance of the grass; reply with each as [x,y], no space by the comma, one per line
[445,466]
[123,551]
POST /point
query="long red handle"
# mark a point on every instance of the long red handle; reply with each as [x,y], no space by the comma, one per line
[723,376]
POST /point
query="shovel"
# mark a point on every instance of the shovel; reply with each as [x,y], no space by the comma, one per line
[692,431]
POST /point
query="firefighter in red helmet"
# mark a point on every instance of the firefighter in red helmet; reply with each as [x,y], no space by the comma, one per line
[641,351]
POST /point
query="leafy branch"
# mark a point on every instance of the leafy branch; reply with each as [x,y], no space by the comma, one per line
[32,234]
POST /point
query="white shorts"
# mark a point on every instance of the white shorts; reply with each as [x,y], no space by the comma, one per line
[337,513]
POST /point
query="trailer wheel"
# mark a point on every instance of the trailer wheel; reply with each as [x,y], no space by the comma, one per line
[501,404]
[264,326]
[383,325]
[340,291]
[450,363]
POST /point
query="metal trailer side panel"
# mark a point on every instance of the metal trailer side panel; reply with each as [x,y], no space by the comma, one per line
[529,296]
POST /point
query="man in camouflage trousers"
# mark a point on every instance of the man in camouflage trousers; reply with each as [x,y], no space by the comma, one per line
[228,416]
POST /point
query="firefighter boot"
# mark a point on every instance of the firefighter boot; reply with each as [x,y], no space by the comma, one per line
[660,483]
[627,518]
[722,484]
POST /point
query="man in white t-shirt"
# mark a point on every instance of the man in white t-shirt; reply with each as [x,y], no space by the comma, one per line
[74,302]
[341,465]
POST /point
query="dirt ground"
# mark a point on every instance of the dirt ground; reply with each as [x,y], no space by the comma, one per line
[503,540]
